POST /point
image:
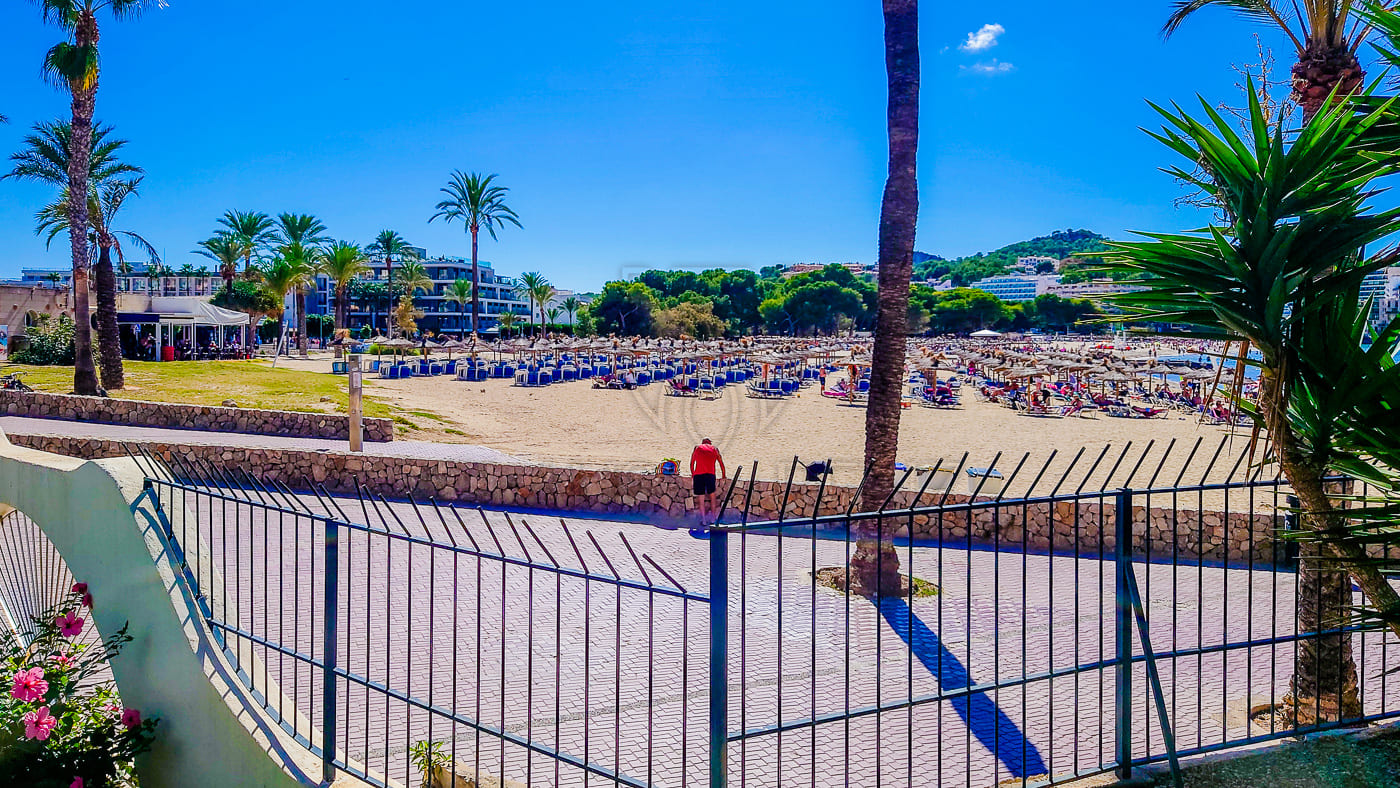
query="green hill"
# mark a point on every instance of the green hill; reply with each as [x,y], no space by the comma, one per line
[1058,244]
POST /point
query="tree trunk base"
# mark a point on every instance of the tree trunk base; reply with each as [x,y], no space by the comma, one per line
[892,584]
[1305,712]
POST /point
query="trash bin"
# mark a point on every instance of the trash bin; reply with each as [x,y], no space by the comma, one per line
[167,353]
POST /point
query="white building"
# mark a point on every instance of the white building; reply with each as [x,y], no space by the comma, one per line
[1017,287]
[557,302]
[1383,288]
[1031,263]
[1090,288]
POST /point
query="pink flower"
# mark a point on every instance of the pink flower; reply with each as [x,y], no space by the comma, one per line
[77,783]
[63,660]
[87,601]
[39,724]
[80,588]
[69,624]
[29,685]
[131,718]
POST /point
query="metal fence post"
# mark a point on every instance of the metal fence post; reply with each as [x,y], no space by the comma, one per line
[719,658]
[1123,634]
[328,652]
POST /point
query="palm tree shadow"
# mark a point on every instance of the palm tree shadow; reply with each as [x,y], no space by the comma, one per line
[988,723]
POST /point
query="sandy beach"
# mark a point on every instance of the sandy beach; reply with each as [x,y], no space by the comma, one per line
[574,424]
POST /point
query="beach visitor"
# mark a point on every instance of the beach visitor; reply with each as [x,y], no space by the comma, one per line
[703,481]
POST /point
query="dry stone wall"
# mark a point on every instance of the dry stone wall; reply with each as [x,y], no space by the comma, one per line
[137,413]
[1080,527]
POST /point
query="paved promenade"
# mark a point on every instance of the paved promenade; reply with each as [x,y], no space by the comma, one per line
[17,425]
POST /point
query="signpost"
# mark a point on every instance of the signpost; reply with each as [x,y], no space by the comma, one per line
[357,412]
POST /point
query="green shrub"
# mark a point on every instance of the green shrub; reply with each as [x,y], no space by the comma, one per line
[49,342]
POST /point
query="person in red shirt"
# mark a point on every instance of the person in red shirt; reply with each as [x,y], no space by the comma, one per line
[703,481]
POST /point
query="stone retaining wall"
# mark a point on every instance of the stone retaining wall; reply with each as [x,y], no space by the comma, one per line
[137,413]
[1085,527]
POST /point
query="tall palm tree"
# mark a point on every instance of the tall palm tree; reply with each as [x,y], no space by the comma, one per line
[543,295]
[45,157]
[342,262]
[477,203]
[225,249]
[73,63]
[460,293]
[387,246]
[297,236]
[571,306]
[283,275]
[874,565]
[253,230]
[104,203]
[1323,33]
[530,285]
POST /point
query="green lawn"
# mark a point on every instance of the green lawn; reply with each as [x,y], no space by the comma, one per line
[1340,761]
[252,384]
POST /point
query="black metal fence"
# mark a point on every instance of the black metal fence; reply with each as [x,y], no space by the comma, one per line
[1047,638]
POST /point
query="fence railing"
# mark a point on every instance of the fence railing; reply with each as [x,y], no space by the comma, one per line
[1046,638]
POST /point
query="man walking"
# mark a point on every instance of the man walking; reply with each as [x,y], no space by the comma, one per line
[702,471]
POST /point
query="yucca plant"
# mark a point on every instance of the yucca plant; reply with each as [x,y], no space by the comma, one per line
[1282,273]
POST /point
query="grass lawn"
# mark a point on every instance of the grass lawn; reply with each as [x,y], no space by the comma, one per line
[1341,761]
[252,384]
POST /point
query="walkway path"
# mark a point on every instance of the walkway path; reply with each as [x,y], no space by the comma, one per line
[19,425]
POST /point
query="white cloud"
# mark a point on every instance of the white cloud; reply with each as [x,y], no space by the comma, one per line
[990,68]
[982,39]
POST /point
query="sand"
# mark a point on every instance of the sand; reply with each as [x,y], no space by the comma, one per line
[573,424]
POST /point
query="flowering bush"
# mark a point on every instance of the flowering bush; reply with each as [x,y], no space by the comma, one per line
[61,723]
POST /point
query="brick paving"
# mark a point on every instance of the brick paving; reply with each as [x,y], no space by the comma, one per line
[618,676]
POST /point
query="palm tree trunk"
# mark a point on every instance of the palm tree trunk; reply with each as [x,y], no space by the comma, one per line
[476,278]
[84,373]
[1324,683]
[389,284]
[109,340]
[875,566]
[305,295]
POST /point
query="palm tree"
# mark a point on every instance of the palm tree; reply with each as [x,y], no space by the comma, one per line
[342,262]
[507,321]
[297,236]
[571,306]
[254,232]
[414,277]
[74,65]
[530,285]
[542,297]
[45,157]
[283,275]
[388,245]
[104,203]
[1282,272]
[874,566]
[1322,33]
[460,293]
[226,250]
[553,314]
[473,200]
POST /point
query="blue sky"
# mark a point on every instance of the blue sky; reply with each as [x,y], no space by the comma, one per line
[633,135]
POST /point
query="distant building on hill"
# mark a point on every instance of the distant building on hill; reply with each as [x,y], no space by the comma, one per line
[859,269]
[1032,264]
[1016,287]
